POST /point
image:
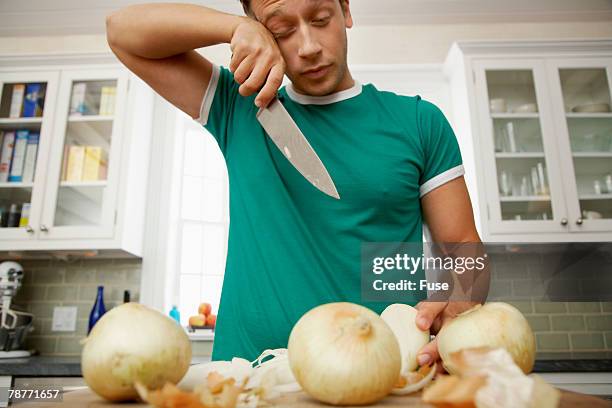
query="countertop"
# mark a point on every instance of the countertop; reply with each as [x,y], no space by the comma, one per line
[48,366]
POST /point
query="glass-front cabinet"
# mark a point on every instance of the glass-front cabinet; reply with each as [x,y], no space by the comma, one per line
[84,166]
[525,185]
[547,133]
[581,92]
[26,116]
[74,152]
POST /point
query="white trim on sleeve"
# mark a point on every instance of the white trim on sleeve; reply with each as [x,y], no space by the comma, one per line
[209,95]
[440,179]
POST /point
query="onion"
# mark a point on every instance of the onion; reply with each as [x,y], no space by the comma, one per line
[493,325]
[344,354]
[134,343]
[401,318]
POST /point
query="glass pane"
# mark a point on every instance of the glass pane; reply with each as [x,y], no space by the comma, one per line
[521,168]
[23,100]
[85,158]
[21,110]
[586,97]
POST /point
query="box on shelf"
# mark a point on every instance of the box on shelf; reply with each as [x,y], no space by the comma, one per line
[30,157]
[6,155]
[77,100]
[92,163]
[107,100]
[25,215]
[34,100]
[76,158]
[19,153]
[17,100]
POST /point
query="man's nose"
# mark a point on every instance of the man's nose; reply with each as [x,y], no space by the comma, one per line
[309,44]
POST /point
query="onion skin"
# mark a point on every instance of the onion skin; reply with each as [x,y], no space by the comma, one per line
[134,343]
[494,325]
[401,318]
[344,354]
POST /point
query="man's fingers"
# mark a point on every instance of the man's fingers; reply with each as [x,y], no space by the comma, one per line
[429,353]
[427,312]
[255,80]
[237,58]
[244,69]
[275,80]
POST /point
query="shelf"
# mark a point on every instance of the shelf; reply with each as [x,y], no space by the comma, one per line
[16,185]
[593,155]
[21,123]
[519,155]
[576,115]
[515,199]
[515,115]
[79,184]
[91,118]
[595,196]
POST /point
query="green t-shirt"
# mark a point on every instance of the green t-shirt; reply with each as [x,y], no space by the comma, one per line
[291,247]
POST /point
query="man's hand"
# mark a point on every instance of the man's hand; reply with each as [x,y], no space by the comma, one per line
[256,61]
[433,316]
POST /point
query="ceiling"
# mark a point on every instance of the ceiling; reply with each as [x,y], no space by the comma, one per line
[61,17]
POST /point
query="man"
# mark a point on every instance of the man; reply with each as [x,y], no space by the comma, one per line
[394,159]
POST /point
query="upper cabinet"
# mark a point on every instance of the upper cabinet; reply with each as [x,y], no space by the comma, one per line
[534,122]
[74,159]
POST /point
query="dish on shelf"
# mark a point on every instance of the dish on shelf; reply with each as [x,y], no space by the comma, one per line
[497,105]
[592,215]
[592,108]
[526,108]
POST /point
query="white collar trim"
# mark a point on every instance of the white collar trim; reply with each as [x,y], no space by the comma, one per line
[324,100]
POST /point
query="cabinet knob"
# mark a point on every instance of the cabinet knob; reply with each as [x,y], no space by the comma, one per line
[579,221]
[563,221]
[29,229]
[44,228]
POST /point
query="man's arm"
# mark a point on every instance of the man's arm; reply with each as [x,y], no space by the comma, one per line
[447,211]
[157,43]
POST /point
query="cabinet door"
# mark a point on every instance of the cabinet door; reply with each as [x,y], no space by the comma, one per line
[85,161]
[27,102]
[581,90]
[523,182]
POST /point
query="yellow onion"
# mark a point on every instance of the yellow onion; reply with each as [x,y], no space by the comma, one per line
[344,354]
[134,343]
[493,325]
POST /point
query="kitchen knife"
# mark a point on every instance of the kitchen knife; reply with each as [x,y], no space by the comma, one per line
[290,140]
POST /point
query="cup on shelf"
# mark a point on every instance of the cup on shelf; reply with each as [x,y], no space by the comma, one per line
[497,105]
[526,108]
[597,187]
[608,183]
[505,183]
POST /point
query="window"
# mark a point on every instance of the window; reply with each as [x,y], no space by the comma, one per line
[202,220]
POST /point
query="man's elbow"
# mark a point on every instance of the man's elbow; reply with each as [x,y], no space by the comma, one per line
[112,23]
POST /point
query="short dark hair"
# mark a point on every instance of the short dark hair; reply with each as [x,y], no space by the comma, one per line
[246,6]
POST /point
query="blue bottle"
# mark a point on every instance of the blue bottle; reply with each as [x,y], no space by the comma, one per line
[98,309]
[175,314]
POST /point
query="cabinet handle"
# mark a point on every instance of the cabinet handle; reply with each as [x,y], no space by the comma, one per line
[563,221]
[579,221]
[29,229]
[44,228]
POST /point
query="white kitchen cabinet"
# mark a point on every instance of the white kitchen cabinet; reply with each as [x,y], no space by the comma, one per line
[537,169]
[88,192]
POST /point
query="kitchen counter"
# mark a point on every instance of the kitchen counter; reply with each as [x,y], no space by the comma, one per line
[49,366]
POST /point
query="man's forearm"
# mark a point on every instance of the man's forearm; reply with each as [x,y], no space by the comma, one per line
[162,30]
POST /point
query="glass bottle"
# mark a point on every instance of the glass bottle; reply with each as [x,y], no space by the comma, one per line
[175,314]
[97,310]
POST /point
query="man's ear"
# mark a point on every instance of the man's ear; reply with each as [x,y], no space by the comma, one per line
[346,10]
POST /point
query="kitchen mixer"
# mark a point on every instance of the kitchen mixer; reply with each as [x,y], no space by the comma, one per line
[14,324]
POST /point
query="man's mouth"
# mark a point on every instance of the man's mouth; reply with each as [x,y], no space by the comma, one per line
[316,72]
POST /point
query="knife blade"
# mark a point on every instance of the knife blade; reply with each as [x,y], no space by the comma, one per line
[287,136]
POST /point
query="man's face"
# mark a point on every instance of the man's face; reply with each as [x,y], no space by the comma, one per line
[311,35]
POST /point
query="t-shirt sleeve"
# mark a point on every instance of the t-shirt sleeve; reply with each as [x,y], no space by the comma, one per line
[218,104]
[441,155]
